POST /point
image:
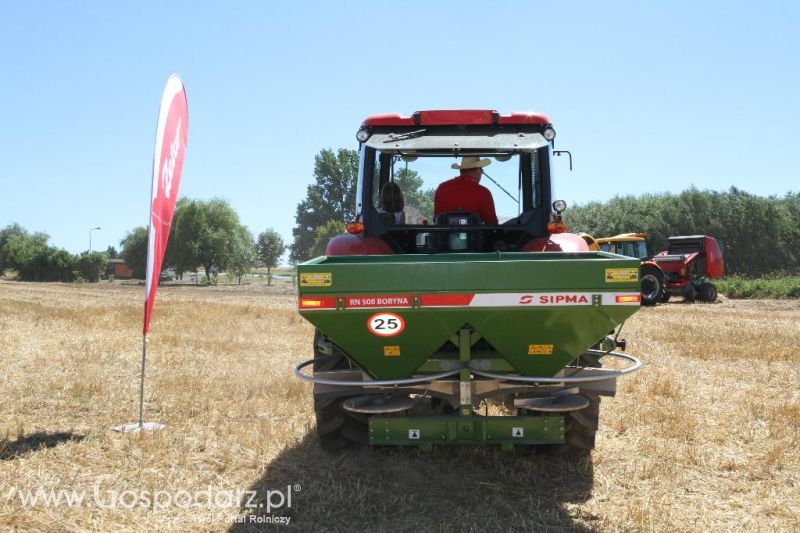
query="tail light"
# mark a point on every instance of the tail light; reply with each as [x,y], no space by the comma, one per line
[355,227]
[557,227]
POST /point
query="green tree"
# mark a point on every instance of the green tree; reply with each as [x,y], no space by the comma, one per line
[112,252]
[172,255]
[10,231]
[60,265]
[330,197]
[270,248]
[34,260]
[205,234]
[134,251]
[243,253]
[27,254]
[413,195]
[324,234]
[91,265]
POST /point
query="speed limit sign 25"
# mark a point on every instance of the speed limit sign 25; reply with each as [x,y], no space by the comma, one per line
[385,324]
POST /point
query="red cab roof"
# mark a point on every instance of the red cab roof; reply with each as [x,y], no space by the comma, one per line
[455,117]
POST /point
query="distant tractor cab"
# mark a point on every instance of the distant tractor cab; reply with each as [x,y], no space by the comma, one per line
[651,280]
[688,263]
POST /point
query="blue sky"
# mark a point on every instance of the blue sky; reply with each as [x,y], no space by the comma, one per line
[648,96]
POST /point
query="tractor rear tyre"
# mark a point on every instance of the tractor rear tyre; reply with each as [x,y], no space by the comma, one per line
[707,293]
[651,285]
[580,430]
[580,427]
[337,428]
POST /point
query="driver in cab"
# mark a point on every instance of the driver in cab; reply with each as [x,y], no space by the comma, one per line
[465,193]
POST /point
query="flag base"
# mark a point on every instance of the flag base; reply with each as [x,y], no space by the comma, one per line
[136,427]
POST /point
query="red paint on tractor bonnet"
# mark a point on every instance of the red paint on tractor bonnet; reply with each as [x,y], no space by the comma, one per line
[456,117]
[357,244]
[557,242]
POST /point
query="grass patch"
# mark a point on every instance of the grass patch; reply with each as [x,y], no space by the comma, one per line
[769,287]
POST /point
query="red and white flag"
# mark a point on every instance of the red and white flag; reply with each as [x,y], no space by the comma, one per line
[171,135]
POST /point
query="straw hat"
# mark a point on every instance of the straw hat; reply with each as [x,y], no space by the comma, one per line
[471,162]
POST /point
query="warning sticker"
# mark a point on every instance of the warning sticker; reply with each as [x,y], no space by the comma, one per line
[622,275]
[413,434]
[386,324]
[391,351]
[540,349]
[518,432]
[316,279]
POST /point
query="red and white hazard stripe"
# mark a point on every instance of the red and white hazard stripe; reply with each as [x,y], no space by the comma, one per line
[484,299]
[526,299]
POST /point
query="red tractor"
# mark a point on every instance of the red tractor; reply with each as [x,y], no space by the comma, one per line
[687,264]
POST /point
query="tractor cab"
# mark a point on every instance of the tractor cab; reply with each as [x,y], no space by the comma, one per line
[627,244]
[404,159]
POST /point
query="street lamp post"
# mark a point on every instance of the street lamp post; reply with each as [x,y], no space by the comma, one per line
[90,237]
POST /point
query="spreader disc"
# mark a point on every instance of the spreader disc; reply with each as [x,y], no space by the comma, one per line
[553,404]
[374,404]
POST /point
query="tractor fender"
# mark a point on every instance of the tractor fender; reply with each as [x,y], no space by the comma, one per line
[650,263]
[357,244]
[557,242]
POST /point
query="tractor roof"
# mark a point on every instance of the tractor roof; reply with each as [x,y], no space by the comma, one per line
[456,117]
[687,237]
[623,237]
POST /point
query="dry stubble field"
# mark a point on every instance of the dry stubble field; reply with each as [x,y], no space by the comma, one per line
[704,437]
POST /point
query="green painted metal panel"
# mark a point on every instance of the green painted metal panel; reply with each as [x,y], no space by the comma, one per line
[461,272]
[533,339]
[524,430]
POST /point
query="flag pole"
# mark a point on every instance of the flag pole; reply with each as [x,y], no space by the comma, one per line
[141,386]
[170,146]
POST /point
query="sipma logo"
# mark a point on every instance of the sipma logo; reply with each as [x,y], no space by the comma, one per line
[169,167]
[553,299]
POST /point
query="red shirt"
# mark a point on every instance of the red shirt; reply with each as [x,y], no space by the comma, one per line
[463,194]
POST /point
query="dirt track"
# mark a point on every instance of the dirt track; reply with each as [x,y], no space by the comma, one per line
[705,437]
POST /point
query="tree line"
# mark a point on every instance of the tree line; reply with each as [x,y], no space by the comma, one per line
[759,235]
[207,234]
[203,233]
[33,259]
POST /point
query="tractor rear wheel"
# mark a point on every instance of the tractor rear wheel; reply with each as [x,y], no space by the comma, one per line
[337,428]
[580,427]
[580,430]
[651,285]
[707,293]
